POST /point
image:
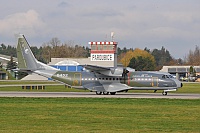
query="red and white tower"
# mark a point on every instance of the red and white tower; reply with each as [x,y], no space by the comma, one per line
[104,51]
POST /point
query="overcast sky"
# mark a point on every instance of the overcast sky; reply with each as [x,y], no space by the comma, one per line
[174,24]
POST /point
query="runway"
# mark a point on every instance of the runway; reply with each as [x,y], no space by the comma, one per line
[93,95]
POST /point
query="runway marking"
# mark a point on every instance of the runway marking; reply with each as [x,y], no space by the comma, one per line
[93,95]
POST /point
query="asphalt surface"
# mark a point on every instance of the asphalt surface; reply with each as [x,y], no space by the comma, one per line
[93,95]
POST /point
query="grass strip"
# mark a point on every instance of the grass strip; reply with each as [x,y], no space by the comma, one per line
[99,115]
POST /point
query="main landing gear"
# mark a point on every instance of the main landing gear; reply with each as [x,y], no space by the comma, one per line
[105,93]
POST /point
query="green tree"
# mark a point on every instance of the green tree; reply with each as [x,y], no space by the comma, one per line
[135,54]
[162,56]
[1,65]
[142,63]
[192,71]
[11,64]
[8,50]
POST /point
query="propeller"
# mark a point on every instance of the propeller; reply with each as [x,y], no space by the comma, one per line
[125,71]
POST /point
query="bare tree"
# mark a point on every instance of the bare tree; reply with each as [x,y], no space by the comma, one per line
[193,58]
[66,50]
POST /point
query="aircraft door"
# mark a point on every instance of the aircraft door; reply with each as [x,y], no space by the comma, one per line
[77,79]
[154,82]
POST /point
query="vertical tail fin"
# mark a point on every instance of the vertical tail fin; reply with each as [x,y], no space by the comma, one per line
[26,59]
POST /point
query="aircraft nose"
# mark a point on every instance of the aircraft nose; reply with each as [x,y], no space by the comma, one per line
[178,84]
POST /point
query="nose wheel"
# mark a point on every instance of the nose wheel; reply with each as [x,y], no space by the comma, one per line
[164,93]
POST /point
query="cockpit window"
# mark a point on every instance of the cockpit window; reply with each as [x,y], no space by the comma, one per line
[167,76]
[170,76]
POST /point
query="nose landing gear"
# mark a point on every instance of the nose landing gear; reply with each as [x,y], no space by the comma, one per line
[164,93]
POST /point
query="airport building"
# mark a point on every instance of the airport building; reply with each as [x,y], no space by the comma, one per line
[101,54]
[180,71]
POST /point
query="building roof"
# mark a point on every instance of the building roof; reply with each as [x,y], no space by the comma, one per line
[67,62]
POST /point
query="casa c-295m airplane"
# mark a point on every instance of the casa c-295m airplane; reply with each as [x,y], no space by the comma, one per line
[102,80]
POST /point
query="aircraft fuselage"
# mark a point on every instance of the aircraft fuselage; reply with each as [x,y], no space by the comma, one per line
[138,80]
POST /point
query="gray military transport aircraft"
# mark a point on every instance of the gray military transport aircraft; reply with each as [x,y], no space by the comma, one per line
[98,79]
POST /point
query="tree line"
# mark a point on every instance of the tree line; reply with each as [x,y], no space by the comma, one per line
[138,59]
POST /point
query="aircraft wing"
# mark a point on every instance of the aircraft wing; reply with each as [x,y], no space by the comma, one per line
[114,87]
[96,68]
[108,71]
[94,86]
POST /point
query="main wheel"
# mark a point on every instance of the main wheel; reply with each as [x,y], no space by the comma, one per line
[112,93]
[98,92]
[105,93]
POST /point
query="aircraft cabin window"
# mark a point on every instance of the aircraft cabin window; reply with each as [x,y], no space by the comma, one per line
[106,78]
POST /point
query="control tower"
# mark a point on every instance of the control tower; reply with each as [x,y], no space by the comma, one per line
[104,52]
